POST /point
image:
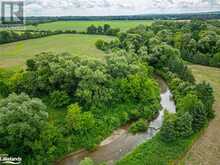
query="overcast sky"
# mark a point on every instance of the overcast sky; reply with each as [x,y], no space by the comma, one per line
[116,7]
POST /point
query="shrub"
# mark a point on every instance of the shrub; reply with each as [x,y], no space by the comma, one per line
[134,114]
[204,92]
[184,125]
[87,161]
[215,61]
[150,113]
[59,99]
[168,131]
[140,126]
[78,121]
[190,103]
[4,90]
[101,44]
[31,65]
[199,116]
[50,145]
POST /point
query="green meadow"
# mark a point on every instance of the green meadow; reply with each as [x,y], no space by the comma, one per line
[15,54]
[82,25]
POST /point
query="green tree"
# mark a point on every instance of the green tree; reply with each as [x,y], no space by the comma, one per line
[101,44]
[205,93]
[184,125]
[139,89]
[140,126]
[59,99]
[50,145]
[190,103]
[21,122]
[92,29]
[100,29]
[78,121]
[106,28]
[4,89]
[215,60]
[168,131]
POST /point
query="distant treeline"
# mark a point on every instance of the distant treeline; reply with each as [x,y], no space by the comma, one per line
[198,41]
[188,16]
[8,36]
[11,36]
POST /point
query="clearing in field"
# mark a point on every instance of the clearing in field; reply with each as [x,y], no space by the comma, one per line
[15,54]
[206,149]
[82,25]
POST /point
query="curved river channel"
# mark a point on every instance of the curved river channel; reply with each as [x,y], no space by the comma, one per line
[121,142]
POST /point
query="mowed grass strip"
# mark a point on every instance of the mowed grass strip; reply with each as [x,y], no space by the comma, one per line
[15,54]
[82,25]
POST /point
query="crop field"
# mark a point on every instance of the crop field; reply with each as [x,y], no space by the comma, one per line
[82,25]
[206,149]
[15,54]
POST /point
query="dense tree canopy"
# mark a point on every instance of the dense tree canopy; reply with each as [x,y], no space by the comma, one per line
[21,122]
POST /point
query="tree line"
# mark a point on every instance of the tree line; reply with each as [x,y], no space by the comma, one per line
[106,29]
[8,36]
[198,41]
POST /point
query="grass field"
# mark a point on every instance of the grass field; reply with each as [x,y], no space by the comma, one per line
[82,25]
[15,54]
[206,150]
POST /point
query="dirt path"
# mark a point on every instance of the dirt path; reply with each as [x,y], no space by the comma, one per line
[206,151]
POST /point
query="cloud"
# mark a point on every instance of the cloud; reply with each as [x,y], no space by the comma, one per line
[117,7]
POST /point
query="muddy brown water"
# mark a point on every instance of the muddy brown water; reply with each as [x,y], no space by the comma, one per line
[121,142]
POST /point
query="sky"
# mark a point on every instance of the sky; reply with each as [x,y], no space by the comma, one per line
[116,7]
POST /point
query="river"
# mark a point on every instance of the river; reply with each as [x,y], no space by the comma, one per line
[121,142]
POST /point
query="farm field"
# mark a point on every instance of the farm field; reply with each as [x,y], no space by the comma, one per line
[206,149]
[15,54]
[82,25]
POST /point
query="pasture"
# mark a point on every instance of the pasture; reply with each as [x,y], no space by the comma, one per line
[15,54]
[82,25]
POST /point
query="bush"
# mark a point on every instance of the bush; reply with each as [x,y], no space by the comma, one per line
[190,103]
[50,145]
[4,90]
[31,65]
[150,112]
[78,121]
[184,125]
[140,126]
[101,44]
[168,130]
[87,161]
[59,99]
[134,114]
[215,61]
[205,92]
[199,115]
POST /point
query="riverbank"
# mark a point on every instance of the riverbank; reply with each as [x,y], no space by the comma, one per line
[121,141]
